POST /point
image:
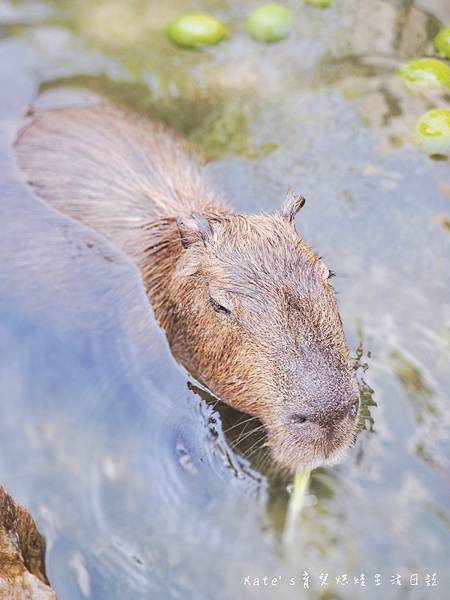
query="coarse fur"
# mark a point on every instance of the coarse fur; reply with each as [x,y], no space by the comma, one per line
[247,306]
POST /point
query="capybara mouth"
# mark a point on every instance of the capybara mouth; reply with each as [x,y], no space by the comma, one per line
[295,449]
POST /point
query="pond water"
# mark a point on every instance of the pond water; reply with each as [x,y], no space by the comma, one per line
[120,458]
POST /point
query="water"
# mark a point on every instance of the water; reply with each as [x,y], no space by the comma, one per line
[125,467]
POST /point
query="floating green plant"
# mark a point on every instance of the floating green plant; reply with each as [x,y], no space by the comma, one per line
[442,42]
[196,29]
[319,3]
[269,23]
[433,131]
[426,72]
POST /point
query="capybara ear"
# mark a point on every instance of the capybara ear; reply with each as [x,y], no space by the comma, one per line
[293,204]
[193,228]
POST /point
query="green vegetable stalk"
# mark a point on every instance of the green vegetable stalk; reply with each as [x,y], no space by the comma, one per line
[296,502]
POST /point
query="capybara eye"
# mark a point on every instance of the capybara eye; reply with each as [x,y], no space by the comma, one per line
[218,308]
[219,300]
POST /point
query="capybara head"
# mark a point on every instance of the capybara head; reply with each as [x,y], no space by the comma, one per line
[255,318]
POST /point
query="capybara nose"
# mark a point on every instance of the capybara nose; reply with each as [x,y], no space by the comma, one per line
[314,421]
[325,418]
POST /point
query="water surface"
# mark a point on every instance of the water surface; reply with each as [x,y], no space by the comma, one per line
[127,468]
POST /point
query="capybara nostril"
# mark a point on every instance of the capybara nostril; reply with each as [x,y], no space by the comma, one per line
[298,420]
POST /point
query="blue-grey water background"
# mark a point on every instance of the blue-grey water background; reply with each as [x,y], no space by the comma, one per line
[126,469]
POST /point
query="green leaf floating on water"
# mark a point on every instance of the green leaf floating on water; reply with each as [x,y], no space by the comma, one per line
[426,71]
[319,3]
[296,502]
[269,23]
[196,29]
[442,42]
[433,131]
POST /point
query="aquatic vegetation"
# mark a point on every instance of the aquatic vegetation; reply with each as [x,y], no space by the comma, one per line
[113,23]
[426,71]
[226,131]
[433,131]
[319,3]
[442,42]
[414,384]
[196,29]
[366,420]
[443,220]
[269,23]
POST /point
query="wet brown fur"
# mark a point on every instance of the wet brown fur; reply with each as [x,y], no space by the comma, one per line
[22,550]
[276,348]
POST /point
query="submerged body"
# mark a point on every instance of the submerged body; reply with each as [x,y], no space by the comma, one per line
[245,303]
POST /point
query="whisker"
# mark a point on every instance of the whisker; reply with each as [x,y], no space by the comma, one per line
[240,423]
[250,452]
[243,436]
